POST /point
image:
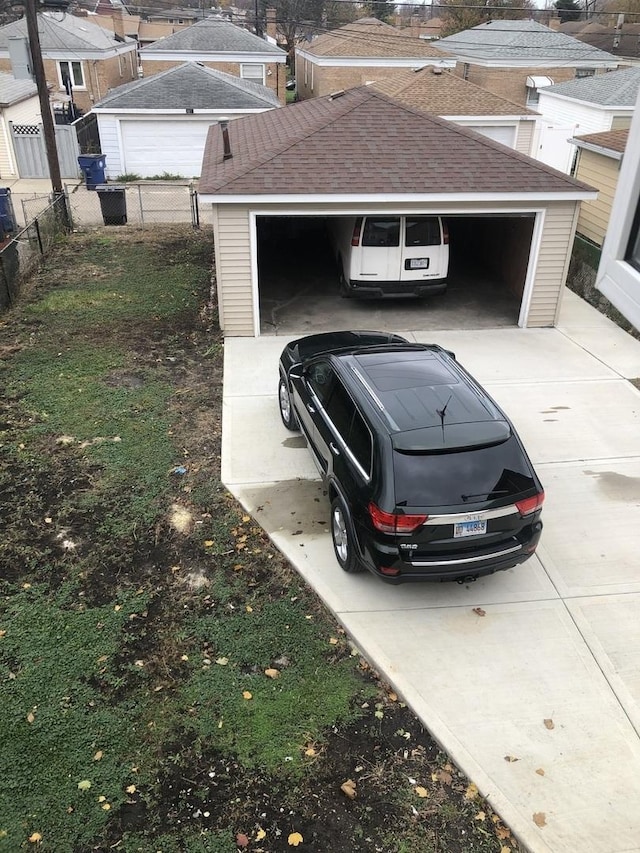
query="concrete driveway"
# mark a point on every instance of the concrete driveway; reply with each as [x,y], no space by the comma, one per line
[550,674]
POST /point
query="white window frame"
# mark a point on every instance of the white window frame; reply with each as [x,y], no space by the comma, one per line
[581,73]
[254,78]
[69,63]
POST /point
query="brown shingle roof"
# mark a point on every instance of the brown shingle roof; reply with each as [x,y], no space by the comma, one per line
[614,140]
[445,94]
[369,37]
[363,143]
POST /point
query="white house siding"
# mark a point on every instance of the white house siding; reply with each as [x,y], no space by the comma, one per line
[25,112]
[232,235]
[553,262]
[601,172]
[563,111]
[110,145]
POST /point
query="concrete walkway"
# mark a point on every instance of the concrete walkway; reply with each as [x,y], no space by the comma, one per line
[537,699]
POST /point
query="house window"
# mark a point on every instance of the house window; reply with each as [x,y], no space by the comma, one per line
[70,75]
[585,72]
[533,95]
[253,72]
[632,255]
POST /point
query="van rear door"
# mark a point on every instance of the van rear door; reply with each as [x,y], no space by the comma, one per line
[380,255]
[425,253]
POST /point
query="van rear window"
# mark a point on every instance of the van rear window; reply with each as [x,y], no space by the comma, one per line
[422,231]
[381,231]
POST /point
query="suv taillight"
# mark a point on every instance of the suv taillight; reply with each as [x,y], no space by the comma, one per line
[445,234]
[530,505]
[389,522]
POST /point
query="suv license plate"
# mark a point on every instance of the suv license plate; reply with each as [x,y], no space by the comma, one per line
[469,528]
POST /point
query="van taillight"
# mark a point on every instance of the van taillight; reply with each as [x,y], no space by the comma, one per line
[445,234]
[389,522]
[529,505]
[355,237]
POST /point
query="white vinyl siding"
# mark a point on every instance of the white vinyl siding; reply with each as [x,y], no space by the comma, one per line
[553,263]
[110,145]
[231,229]
[524,137]
[601,172]
[26,112]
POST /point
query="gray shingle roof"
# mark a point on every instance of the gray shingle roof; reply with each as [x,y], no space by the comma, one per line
[615,89]
[190,85]
[364,143]
[63,33]
[12,91]
[213,36]
[520,40]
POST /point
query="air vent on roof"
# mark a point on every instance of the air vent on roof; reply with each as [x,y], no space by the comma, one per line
[334,95]
[436,70]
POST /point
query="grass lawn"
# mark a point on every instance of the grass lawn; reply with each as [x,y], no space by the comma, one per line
[168,684]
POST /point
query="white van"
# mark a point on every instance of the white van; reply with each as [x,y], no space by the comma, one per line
[380,256]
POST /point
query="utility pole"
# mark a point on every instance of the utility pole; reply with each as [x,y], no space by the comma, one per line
[43,93]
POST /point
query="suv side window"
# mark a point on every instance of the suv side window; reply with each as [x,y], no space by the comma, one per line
[348,421]
[321,378]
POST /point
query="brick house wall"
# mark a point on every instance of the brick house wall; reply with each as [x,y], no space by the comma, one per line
[511,83]
[314,81]
[100,75]
[275,72]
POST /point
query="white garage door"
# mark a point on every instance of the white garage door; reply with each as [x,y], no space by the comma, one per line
[154,147]
[505,135]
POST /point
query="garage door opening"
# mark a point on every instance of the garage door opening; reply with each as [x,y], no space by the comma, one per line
[298,279]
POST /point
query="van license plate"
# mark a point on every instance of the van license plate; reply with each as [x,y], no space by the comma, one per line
[419,263]
[469,528]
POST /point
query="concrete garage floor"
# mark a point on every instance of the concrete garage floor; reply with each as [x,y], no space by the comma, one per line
[299,295]
[530,679]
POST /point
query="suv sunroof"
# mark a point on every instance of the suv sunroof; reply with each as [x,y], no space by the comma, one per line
[414,388]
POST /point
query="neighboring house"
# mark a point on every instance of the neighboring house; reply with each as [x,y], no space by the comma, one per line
[511,220]
[159,124]
[621,41]
[457,100]
[618,275]
[81,60]
[598,160]
[362,52]
[218,44]
[144,32]
[588,105]
[19,104]
[516,59]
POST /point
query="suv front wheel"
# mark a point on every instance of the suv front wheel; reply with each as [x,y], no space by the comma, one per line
[343,538]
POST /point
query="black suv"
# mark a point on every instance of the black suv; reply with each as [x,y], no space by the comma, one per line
[427,477]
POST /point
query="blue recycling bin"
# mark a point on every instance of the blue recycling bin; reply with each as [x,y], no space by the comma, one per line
[7,216]
[93,169]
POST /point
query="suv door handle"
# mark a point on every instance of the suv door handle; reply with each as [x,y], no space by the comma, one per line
[334,449]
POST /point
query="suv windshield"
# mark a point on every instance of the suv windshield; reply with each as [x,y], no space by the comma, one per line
[461,478]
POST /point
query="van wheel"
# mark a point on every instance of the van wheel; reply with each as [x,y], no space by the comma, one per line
[286,409]
[343,538]
[343,290]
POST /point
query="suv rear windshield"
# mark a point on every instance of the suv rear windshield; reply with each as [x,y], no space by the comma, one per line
[497,472]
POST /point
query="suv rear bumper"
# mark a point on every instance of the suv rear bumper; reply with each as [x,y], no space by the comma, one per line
[395,289]
[456,566]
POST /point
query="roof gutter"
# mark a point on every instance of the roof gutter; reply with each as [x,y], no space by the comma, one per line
[526,201]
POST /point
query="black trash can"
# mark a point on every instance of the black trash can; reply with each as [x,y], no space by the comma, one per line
[93,169]
[7,216]
[113,203]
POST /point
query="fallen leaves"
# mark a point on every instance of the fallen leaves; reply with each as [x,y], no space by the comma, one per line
[242,840]
[511,758]
[222,661]
[540,819]
[294,839]
[84,785]
[260,834]
[98,755]
[272,673]
[549,724]
[420,791]
[471,792]
[479,611]
[540,771]
[35,838]
[348,788]
[247,695]
[131,789]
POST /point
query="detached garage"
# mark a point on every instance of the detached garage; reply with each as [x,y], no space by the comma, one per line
[511,219]
[159,124]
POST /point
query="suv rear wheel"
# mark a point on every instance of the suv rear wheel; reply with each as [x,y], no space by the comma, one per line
[286,409]
[343,538]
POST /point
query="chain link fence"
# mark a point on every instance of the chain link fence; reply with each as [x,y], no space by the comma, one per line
[21,255]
